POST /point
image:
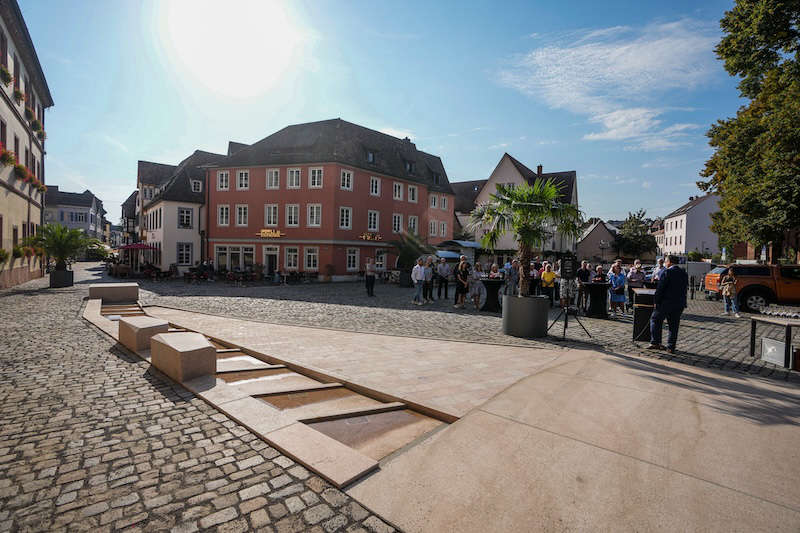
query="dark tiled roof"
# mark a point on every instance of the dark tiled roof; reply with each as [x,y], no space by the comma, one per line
[179,186]
[340,141]
[696,200]
[129,205]
[154,173]
[234,147]
[466,192]
[563,180]
[55,197]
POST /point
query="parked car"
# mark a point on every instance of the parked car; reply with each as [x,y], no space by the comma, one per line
[758,285]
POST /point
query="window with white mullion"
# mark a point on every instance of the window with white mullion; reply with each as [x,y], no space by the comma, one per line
[243,180]
[345,218]
[271,215]
[346,183]
[315,178]
[314,217]
[372,220]
[273,178]
[293,178]
[397,223]
[223,182]
[293,215]
[241,215]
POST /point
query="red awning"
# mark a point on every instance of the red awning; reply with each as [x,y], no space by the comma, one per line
[138,246]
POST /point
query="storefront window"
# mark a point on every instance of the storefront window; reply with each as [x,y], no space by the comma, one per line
[222,257]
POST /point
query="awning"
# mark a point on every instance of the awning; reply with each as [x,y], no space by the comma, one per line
[138,246]
[459,244]
[447,254]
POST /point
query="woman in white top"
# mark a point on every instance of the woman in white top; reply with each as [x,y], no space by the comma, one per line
[476,287]
[418,278]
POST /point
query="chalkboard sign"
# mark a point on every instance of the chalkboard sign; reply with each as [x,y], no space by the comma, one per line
[569,266]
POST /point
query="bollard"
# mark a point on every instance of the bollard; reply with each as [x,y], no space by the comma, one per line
[691,283]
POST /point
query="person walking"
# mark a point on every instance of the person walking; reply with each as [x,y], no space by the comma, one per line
[635,280]
[418,278]
[728,289]
[670,301]
[617,289]
[462,284]
[476,287]
[548,282]
[369,276]
[443,271]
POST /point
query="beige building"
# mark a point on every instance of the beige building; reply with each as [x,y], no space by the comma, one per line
[24,96]
[596,245]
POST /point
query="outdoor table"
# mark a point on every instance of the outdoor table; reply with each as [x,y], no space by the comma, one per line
[643,305]
[598,299]
[492,288]
[786,323]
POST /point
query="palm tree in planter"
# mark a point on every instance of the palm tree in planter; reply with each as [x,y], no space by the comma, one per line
[531,213]
[409,248]
[61,244]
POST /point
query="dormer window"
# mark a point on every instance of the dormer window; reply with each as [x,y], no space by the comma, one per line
[196,186]
[370,156]
[437,178]
[411,167]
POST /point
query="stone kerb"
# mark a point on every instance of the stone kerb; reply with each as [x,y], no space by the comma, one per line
[135,332]
[114,292]
[183,356]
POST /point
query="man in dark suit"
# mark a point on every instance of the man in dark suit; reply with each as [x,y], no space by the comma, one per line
[670,300]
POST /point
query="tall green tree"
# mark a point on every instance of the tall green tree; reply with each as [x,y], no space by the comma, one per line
[634,237]
[529,212]
[756,163]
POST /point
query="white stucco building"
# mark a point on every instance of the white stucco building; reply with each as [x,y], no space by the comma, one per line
[688,228]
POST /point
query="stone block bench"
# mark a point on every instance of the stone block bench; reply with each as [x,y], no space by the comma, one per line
[114,292]
[135,332]
[183,356]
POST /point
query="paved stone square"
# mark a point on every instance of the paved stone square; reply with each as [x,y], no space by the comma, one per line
[92,439]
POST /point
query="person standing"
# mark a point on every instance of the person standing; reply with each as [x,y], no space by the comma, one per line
[635,280]
[584,275]
[462,284]
[670,301]
[476,288]
[461,259]
[728,289]
[443,271]
[418,278]
[427,289]
[512,279]
[617,289]
[548,282]
[369,276]
[533,289]
[659,270]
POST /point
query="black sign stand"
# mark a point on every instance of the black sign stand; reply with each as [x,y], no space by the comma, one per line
[565,312]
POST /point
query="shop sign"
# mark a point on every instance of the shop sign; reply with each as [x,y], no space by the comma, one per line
[270,234]
[371,237]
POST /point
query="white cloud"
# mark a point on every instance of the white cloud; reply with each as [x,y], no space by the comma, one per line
[614,75]
[498,145]
[396,132]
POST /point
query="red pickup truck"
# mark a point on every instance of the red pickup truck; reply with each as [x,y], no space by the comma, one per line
[758,285]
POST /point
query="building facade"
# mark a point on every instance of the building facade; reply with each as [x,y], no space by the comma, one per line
[596,244]
[688,228]
[129,219]
[24,96]
[83,211]
[323,197]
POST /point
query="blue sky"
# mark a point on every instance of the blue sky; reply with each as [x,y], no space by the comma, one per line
[622,94]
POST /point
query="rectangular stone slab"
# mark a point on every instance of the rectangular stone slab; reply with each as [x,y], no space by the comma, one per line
[339,464]
[183,356]
[135,332]
[114,292]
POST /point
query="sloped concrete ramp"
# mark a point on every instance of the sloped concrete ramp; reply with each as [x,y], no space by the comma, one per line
[606,443]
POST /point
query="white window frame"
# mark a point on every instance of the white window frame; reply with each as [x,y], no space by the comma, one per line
[413,224]
[413,193]
[377,220]
[291,250]
[397,190]
[432,227]
[443,202]
[310,208]
[433,201]
[190,251]
[184,210]
[227,208]
[377,182]
[296,209]
[246,215]
[349,211]
[349,185]
[397,223]
[271,208]
[380,260]
[311,184]
[220,175]
[442,229]
[198,184]
[289,183]
[353,253]
[242,174]
[308,252]
[273,173]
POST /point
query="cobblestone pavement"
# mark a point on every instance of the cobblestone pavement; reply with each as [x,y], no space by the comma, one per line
[91,439]
[706,338]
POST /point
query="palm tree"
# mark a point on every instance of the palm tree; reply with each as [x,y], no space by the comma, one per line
[531,213]
[62,243]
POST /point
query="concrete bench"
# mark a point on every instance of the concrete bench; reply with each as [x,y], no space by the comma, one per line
[114,292]
[135,332]
[183,356]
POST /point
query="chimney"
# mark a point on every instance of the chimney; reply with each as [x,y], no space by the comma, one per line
[539,170]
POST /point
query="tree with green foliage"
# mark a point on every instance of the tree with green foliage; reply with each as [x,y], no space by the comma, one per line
[634,238]
[529,212]
[756,164]
[62,243]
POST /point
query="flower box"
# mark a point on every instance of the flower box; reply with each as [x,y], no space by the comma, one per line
[19,96]
[29,113]
[36,125]
[20,172]
[5,75]
[16,252]
[41,134]
[7,158]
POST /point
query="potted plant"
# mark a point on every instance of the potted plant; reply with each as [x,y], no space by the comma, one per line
[16,252]
[19,96]
[29,113]
[5,75]
[41,134]
[62,243]
[3,256]
[409,248]
[36,125]
[20,171]
[6,156]
[529,211]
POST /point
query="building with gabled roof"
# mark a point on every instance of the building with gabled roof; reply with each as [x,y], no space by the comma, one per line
[83,211]
[129,219]
[688,228]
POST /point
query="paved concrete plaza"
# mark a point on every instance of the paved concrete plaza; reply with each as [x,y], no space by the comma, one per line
[579,434]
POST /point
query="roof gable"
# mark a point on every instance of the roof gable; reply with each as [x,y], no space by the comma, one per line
[693,202]
[564,180]
[150,173]
[466,192]
[179,186]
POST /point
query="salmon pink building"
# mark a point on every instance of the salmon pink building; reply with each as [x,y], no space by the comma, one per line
[323,197]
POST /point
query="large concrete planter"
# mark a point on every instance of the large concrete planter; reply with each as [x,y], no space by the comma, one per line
[525,316]
[61,278]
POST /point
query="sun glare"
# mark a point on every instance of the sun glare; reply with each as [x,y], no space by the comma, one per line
[238,49]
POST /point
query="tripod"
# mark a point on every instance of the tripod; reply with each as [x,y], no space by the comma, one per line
[565,312]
